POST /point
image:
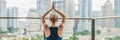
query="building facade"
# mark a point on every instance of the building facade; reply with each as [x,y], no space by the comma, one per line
[43,6]
[108,11]
[3,22]
[33,25]
[117,12]
[97,14]
[84,9]
[12,23]
[69,8]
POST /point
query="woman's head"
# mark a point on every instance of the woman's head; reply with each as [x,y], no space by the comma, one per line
[53,18]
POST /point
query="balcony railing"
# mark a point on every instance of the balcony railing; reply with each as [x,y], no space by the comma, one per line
[92,21]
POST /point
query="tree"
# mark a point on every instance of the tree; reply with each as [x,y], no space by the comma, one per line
[108,39]
[73,37]
[85,32]
[117,38]
[14,39]
[1,32]
[39,37]
[24,32]
[24,38]
[33,38]
[98,32]
[76,33]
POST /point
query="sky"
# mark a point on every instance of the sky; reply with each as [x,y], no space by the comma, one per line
[24,5]
[96,4]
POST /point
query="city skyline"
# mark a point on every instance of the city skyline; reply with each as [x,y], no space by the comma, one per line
[96,5]
[85,28]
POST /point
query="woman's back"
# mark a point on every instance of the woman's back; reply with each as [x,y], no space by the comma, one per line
[53,34]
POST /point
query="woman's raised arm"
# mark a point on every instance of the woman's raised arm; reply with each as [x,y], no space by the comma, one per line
[63,17]
[43,18]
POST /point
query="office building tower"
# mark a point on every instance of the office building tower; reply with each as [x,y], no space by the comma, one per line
[12,23]
[117,12]
[3,13]
[84,8]
[33,25]
[108,11]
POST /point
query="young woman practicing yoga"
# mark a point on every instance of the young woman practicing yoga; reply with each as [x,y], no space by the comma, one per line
[53,32]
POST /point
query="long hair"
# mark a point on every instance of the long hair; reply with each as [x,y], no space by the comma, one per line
[53,18]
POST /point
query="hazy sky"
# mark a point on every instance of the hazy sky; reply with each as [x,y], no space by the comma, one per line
[96,4]
[24,5]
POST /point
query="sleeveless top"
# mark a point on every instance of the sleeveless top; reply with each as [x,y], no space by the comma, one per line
[53,34]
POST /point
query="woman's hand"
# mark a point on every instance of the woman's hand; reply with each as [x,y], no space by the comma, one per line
[53,6]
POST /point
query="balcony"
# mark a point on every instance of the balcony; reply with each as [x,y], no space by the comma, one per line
[32,29]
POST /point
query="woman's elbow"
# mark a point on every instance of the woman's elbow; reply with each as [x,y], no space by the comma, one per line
[64,16]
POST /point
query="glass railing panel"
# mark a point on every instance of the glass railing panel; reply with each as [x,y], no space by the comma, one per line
[107,29]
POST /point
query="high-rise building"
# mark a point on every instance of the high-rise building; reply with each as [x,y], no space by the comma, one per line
[84,8]
[12,23]
[96,14]
[21,28]
[117,12]
[3,22]
[69,8]
[33,25]
[60,5]
[108,11]
[43,6]
[76,22]
[22,24]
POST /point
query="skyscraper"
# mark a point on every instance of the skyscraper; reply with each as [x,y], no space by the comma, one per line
[12,23]
[117,12]
[76,22]
[108,11]
[69,8]
[3,22]
[43,6]
[95,14]
[33,25]
[84,8]
[60,5]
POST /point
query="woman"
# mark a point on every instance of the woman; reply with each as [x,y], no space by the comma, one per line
[53,32]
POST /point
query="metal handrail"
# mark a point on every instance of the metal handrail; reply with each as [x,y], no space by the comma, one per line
[108,17]
[40,18]
[98,18]
[92,21]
